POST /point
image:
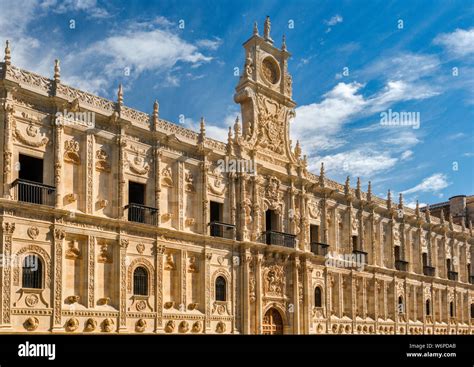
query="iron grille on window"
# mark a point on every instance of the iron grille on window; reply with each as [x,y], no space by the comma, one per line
[220,289]
[140,282]
[32,272]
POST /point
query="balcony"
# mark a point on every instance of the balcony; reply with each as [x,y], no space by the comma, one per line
[320,249]
[279,239]
[223,230]
[33,192]
[453,275]
[142,214]
[362,255]
[401,265]
[429,271]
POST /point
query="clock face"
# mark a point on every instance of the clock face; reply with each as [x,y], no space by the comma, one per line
[270,70]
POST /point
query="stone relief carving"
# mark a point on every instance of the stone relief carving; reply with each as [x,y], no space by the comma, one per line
[101,163]
[73,251]
[71,152]
[274,280]
[169,262]
[167,177]
[33,232]
[30,137]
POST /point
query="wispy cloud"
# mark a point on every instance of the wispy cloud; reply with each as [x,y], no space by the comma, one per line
[458,43]
[334,20]
[433,183]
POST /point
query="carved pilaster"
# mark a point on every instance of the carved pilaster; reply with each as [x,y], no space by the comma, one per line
[59,236]
[7,149]
[207,282]
[180,195]
[296,302]
[121,175]
[6,275]
[157,156]
[184,256]
[245,264]
[90,173]
[205,197]
[91,245]
[159,251]
[123,243]
[258,290]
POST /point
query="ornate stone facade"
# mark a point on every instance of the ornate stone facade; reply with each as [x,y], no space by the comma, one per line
[263,270]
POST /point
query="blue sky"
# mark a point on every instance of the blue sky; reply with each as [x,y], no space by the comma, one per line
[351,61]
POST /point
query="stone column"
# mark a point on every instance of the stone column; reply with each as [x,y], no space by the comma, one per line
[159,251]
[57,286]
[123,243]
[6,275]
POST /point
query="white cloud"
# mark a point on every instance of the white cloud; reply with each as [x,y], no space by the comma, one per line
[358,162]
[433,183]
[67,6]
[406,155]
[412,204]
[334,20]
[209,44]
[458,43]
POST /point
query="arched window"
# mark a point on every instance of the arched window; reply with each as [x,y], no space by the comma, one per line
[451,309]
[401,307]
[32,272]
[220,289]
[472,310]
[428,307]
[140,281]
[318,298]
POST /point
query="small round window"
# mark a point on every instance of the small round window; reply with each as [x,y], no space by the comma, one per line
[270,70]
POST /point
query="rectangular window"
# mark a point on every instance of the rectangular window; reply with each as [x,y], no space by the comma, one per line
[314,233]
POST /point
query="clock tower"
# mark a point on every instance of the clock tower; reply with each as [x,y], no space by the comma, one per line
[264,94]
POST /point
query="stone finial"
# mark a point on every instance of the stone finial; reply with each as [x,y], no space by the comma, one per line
[417,209]
[229,135]
[202,128]
[389,200]
[297,150]
[321,175]
[237,127]
[57,71]
[428,213]
[358,184]
[283,43]
[255,29]
[347,185]
[400,201]
[8,57]
[156,109]
[120,95]
[369,191]
[266,30]
[442,216]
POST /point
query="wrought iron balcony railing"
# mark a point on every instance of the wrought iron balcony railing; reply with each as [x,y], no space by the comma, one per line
[401,265]
[362,254]
[279,239]
[224,230]
[429,270]
[33,192]
[142,214]
[318,248]
[452,275]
